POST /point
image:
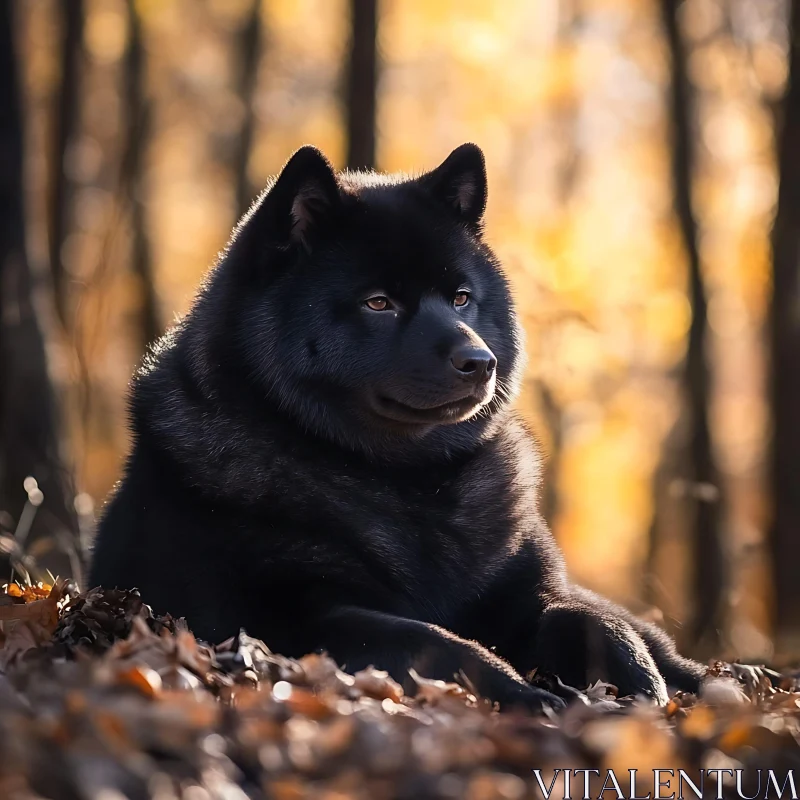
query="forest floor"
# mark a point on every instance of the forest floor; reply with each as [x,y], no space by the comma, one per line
[102,700]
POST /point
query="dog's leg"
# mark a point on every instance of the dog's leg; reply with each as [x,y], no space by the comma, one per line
[582,644]
[357,638]
[679,672]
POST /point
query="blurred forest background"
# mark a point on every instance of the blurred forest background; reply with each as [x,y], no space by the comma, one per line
[644,164]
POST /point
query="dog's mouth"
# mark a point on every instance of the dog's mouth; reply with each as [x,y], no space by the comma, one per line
[444,413]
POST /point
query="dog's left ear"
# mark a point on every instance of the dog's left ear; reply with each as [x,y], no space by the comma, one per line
[460,183]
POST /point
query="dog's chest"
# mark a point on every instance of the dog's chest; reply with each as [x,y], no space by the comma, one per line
[438,547]
[422,544]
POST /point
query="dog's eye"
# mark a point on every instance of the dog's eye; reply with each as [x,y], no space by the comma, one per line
[378,303]
[461,299]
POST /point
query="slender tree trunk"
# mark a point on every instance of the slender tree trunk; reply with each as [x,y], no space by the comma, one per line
[138,125]
[552,414]
[710,570]
[64,128]
[250,43]
[362,81]
[29,442]
[785,344]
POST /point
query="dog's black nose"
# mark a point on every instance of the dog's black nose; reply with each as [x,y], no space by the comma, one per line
[474,363]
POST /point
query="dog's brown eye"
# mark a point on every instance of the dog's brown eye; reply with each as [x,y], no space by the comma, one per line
[461,299]
[378,303]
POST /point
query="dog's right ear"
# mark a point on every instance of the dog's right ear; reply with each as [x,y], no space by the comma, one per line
[302,199]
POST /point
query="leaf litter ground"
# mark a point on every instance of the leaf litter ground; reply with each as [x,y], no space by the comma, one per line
[101,699]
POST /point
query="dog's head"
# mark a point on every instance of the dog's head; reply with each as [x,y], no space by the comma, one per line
[369,306]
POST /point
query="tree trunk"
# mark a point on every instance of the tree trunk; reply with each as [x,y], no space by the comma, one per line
[138,125]
[65,124]
[250,51]
[785,345]
[709,562]
[553,418]
[361,89]
[29,442]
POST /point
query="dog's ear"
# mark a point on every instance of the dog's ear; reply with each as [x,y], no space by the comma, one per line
[460,183]
[299,204]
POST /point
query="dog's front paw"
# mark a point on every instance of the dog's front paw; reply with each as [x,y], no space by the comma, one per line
[640,680]
[554,685]
[530,698]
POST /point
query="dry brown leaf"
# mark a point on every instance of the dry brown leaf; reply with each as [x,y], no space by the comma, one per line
[287,789]
[336,737]
[700,723]
[432,691]
[28,592]
[309,704]
[377,683]
[30,624]
[146,680]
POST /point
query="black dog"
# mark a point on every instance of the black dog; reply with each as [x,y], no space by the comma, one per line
[324,452]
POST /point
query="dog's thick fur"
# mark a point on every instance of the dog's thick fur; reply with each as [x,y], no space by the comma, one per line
[324,452]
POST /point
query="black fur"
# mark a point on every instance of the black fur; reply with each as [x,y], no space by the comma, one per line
[330,476]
